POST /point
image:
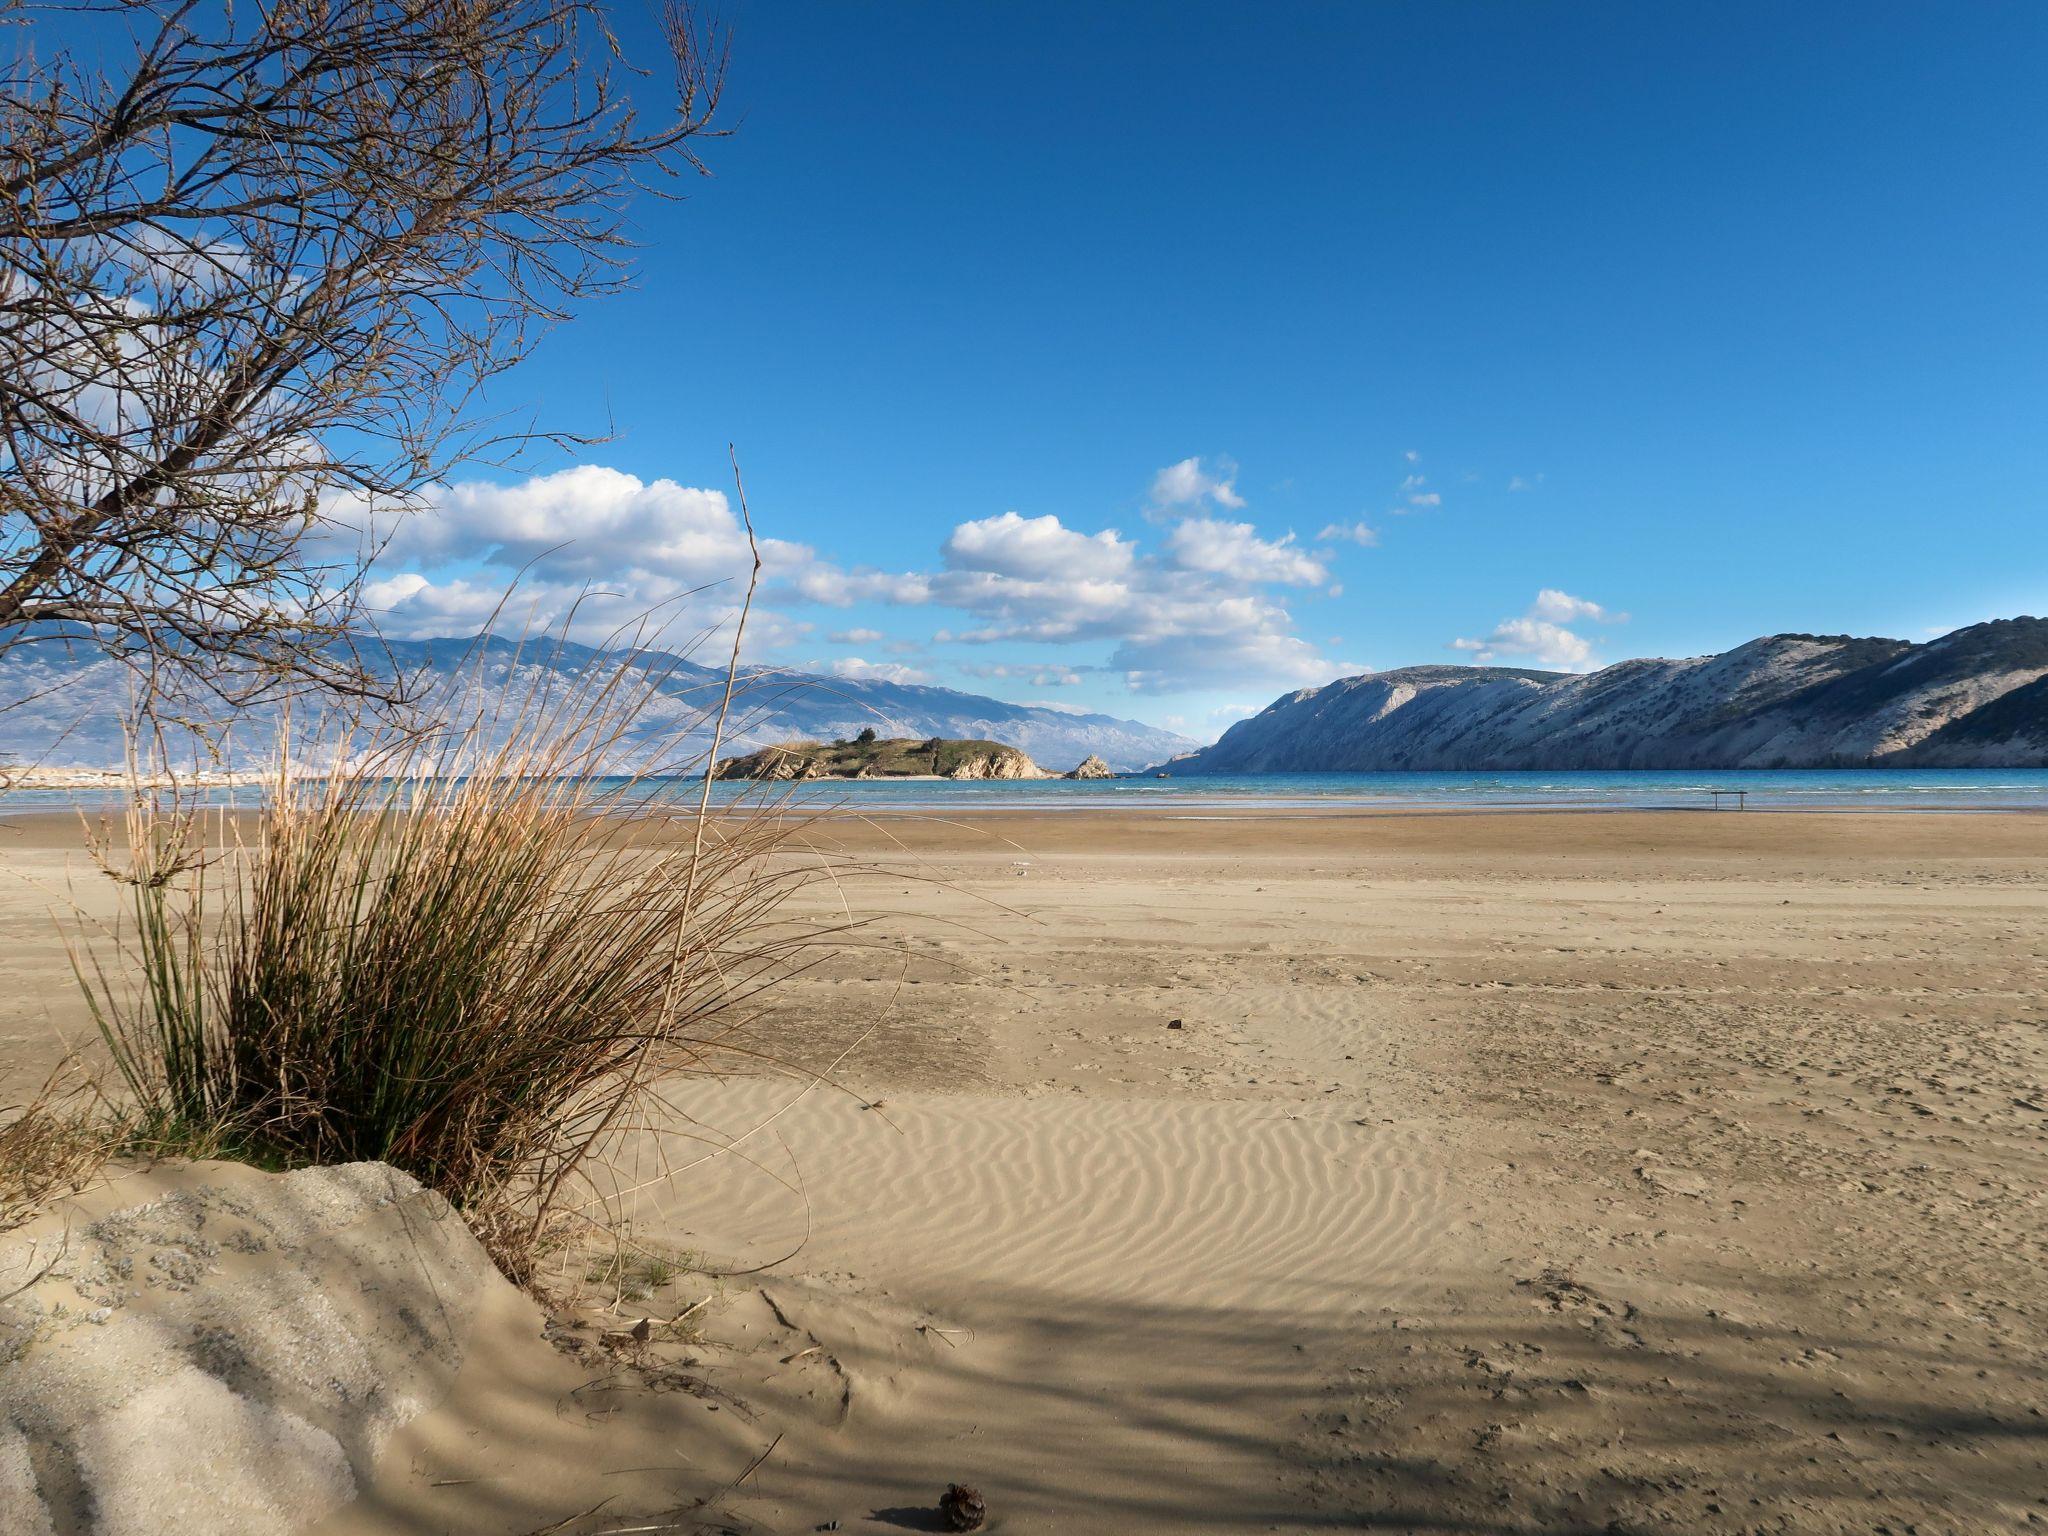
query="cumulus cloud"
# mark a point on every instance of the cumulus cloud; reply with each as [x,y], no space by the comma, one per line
[1035,547]
[1536,639]
[1171,663]
[1235,549]
[1354,533]
[421,606]
[584,522]
[820,581]
[1541,634]
[408,605]
[1563,608]
[588,546]
[1171,624]
[607,547]
[1188,484]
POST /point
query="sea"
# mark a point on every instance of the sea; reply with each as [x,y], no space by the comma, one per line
[1866,789]
[1845,789]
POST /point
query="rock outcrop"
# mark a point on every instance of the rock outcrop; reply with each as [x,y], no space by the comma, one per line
[1003,763]
[782,763]
[1092,767]
[1977,697]
[228,1355]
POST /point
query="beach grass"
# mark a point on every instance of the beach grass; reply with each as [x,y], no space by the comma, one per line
[451,949]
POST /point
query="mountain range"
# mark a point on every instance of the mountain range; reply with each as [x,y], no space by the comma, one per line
[1975,698]
[62,705]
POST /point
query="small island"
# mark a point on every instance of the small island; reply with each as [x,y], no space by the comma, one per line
[868,756]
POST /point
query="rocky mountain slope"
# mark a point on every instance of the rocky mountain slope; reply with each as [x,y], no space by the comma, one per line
[1977,697]
[62,705]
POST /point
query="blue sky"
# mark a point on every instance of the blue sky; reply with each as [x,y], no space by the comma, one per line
[1583,332]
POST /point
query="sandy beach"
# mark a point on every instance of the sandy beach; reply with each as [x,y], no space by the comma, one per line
[1615,1172]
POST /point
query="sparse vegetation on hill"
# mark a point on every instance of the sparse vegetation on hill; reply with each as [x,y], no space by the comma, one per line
[867,757]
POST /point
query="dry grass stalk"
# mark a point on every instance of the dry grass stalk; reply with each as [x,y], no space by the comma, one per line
[55,1144]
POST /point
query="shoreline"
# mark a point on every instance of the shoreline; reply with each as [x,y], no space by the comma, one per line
[1181,807]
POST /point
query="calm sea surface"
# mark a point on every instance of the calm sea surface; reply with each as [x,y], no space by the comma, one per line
[1857,789]
[1872,789]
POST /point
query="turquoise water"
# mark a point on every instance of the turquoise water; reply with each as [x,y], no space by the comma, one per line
[1839,789]
[1802,789]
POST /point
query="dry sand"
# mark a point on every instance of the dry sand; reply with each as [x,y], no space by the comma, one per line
[1569,1172]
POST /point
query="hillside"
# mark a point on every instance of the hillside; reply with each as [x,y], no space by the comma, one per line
[1972,698]
[62,704]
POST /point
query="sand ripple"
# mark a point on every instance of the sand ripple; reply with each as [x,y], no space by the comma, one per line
[1210,1203]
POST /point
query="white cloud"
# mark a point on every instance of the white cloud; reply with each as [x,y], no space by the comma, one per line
[1541,635]
[410,606]
[1236,550]
[1536,639]
[599,548]
[584,522]
[1170,627]
[820,581]
[1426,499]
[1173,663]
[643,544]
[1356,533]
[1563,608]
[1187,484]
[1412,456]
[1010,545]
[857,670]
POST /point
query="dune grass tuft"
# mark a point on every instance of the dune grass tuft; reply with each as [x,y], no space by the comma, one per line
[471,950]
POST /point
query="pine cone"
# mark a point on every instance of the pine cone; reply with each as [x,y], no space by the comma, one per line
[963,1508]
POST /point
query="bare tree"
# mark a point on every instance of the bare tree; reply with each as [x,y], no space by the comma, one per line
[269,262]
